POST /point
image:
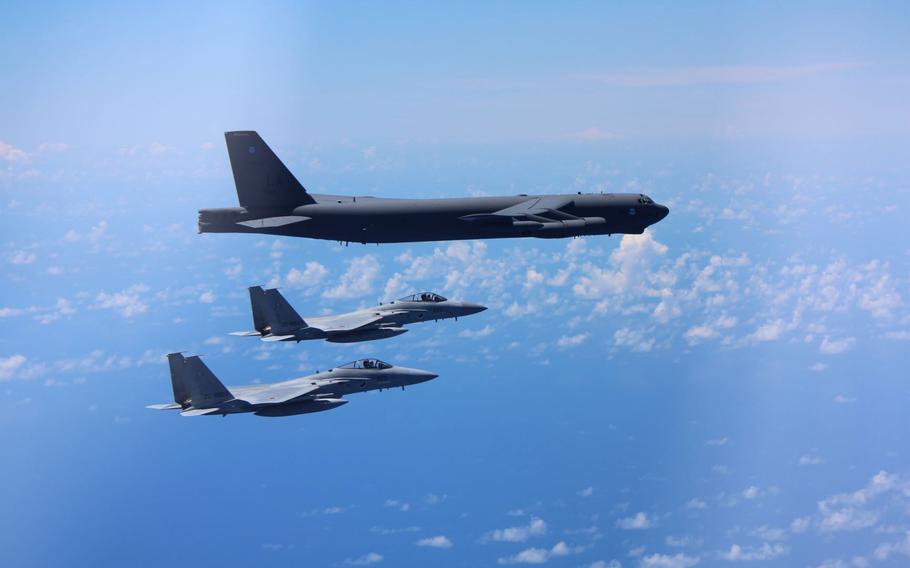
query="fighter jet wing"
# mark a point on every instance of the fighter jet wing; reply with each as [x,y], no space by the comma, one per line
[345,322]
[277,395]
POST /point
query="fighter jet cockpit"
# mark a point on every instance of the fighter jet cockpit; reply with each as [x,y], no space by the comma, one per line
[366,364]
[644,199]
[423,297]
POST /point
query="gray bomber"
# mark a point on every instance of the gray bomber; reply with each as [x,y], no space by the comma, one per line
[273,202]
[197,391]
[276,320]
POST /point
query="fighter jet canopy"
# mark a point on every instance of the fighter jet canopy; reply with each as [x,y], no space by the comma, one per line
[423,297]
[366,364]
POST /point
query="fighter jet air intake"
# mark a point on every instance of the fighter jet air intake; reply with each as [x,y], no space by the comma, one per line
[275,319]
[273,202]
[197,391]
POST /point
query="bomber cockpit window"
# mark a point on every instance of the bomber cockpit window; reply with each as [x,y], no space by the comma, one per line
[423,297]
[366,364]
[642,198]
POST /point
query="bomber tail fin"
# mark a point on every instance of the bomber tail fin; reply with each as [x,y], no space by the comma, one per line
[262,180]
[194,384]
[278,313]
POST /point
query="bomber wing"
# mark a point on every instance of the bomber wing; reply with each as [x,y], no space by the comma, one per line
[533,211]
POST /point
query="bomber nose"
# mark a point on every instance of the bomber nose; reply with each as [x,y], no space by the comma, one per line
[662,211]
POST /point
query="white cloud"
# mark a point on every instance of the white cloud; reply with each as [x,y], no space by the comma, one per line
[667,561]
[586,492]
[638,521]
[770,331]
[605,564]
[22,257]
[842,399]
[435,542]
[696,504]
[751,492]
[477,333]
[9,366]
[357,280]
[567,341]
[207,297]
[93,235]
[536,527]
[835,346]
[311,275]
[628,267]
[10,153]
[852,511]
[766,551]
[127,303]
[399,505]
[885,550]
[810,459]
[366,559]
[717,441]
[539,555]
[634,339]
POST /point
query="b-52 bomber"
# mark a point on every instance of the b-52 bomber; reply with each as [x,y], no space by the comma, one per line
[273,202]
[198,392]
[276,320]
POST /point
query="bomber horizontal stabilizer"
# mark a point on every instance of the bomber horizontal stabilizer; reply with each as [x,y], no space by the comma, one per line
[271,222]
[199,411]
[168,406]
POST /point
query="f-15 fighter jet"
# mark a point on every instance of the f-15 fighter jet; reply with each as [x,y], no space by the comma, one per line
[275,319]
[197,391]
[273,202]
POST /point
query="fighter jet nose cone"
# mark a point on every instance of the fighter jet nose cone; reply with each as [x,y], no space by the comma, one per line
[474,308]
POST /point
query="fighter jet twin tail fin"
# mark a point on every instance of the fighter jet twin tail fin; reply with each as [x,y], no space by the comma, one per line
[192,380]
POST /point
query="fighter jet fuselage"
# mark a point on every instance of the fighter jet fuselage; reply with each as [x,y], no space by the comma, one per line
[198,392]
[274,202]
[275,319]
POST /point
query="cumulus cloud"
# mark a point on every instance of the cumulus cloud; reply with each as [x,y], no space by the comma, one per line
[638,521]
[667,561]
[128,302]
[10,153]
[312,275]
[93,235]
[536,527]
[435,542]
[835,346]
[207,297]
[538,555]
[9,365]
[567,341]
[477,333]
[766,551]
[366,559]
[357,280]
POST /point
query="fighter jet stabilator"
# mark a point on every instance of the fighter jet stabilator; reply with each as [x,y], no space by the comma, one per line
[197,391]
[273,202]
[275,319]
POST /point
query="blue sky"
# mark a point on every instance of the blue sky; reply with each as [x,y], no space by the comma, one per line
[729,388]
